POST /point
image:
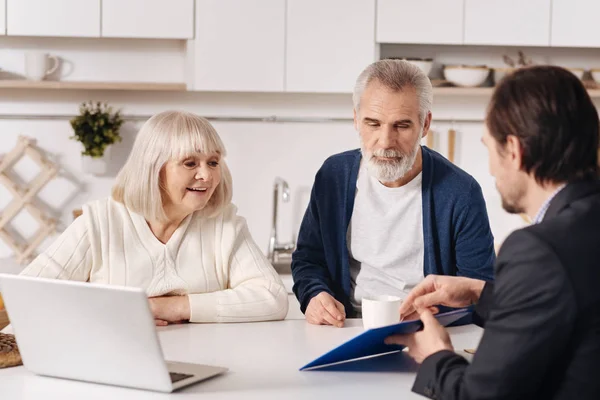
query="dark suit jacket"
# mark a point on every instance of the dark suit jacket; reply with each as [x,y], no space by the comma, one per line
[541,316]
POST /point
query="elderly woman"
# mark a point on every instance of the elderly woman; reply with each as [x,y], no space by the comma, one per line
[170,228]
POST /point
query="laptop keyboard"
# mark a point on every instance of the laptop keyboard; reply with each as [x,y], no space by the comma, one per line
[176,377]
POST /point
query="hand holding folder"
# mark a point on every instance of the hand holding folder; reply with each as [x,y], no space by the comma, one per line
[371,342]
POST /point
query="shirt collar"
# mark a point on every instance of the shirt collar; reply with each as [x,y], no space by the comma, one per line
[542,211]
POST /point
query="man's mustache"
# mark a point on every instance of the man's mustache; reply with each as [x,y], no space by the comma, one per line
[387,153]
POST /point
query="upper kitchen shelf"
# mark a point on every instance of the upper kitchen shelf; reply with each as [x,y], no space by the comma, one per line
[66,85]
[181,87]
[482,91]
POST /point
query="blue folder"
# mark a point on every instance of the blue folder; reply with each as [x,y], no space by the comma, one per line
[371,342]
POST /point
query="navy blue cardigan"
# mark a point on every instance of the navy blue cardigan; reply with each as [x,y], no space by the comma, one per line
[456,231]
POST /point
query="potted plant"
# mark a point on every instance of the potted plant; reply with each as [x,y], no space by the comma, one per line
[96,127]
[522,61]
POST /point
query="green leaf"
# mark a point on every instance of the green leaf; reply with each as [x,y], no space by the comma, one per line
[96,127]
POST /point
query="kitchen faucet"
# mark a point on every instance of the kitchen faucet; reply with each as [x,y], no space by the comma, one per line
[276,248]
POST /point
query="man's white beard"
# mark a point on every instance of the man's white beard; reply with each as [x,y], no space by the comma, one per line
[390,170]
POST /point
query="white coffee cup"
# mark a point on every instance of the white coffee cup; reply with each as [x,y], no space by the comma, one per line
[378,311]
[36,65]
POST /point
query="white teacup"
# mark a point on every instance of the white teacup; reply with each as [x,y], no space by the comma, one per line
[378,311]
[36,65]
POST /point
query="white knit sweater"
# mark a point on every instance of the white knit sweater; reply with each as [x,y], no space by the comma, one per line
[214,261]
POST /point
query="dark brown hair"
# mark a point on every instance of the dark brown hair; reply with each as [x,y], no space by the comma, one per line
[550,112]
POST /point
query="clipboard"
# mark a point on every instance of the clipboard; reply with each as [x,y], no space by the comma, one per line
[371,342]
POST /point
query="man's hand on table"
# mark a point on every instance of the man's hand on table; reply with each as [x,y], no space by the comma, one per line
[323,309]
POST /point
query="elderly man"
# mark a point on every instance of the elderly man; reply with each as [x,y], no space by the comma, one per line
[542,314]
[383,217]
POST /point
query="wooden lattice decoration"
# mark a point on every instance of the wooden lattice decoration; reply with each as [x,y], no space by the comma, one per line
[9,352]
[23,196]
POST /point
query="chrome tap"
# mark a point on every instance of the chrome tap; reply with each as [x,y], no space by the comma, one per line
[276,248]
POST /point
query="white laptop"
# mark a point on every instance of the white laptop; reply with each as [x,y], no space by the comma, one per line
[93,333]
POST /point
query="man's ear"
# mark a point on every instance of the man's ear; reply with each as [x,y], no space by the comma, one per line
[513,152]
[355,115]
[426,124]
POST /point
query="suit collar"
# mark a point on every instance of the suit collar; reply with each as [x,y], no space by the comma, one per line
[572,192]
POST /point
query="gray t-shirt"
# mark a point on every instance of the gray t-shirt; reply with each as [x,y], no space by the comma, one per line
[385,238]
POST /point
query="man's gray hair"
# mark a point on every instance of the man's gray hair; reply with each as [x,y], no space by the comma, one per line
[396,75]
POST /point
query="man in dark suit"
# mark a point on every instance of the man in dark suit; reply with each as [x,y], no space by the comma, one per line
[542,314]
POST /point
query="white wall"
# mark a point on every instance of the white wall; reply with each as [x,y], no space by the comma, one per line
[258,151]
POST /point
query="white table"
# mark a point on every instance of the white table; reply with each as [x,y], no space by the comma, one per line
[263,359]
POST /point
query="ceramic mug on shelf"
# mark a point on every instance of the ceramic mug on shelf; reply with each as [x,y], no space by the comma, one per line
[36,65]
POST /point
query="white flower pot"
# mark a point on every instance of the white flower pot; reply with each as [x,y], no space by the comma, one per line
[95,165]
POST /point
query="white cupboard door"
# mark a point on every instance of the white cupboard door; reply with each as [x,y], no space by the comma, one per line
[575,23]
[420,21]
[72,18]
[2,17]
[507,22]
[156,19]
[239,45]
[328,44]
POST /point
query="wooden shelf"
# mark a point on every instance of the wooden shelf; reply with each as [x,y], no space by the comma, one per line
[181,87]
[481,91]
[66,85]
[462,91]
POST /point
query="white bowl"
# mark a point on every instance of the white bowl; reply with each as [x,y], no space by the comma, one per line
[578,72]
[500,73]
[424,65]
[466,76]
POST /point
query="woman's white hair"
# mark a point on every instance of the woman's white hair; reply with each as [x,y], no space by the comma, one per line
[170,135]
[396,75]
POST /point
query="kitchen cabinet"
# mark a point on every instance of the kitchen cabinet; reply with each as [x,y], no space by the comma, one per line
[239,45]
[73,18]
[328,44]
[575,23]
[161,19]
[507,22]
[422,21]
[2,17]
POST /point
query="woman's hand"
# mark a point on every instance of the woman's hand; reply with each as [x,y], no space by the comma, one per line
[169,309]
